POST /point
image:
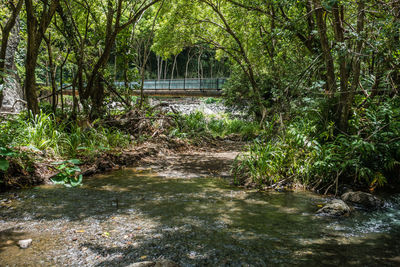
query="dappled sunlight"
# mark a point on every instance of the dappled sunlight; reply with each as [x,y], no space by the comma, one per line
[200,221]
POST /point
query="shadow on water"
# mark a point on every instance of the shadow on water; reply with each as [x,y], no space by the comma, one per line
[205,222]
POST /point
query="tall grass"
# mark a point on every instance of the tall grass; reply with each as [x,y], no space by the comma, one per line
[60,138]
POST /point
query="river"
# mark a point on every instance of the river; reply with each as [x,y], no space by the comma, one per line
[134,215]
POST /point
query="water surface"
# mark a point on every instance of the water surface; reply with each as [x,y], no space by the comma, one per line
[129,216]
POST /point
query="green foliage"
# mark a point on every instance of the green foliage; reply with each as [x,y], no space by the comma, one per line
[69,174]
[305,153]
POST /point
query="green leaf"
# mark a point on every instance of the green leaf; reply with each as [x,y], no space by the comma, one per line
[58,179]
[74,161]
[76,182]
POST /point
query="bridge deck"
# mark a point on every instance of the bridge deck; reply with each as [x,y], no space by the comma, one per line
[177,87]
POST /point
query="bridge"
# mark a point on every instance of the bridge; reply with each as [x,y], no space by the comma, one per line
[210,87]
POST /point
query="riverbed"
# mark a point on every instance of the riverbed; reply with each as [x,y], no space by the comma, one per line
[147,214]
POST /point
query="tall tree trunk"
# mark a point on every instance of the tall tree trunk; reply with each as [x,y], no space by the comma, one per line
[165,68]
[61,83]
[347,96]
[339,36]
[53,70]
[159,67]
[74,100]
[189,57]
[30,81]
[31,59]
[199,67]
[173,67]
[330,68]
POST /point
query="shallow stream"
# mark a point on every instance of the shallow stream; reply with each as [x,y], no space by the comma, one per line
[129,216]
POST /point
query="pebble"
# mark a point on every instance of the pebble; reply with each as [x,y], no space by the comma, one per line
[26,243]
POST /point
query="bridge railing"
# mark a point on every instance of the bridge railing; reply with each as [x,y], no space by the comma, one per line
[179,84]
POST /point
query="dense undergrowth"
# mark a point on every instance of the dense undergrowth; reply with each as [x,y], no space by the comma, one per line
[198,125]
[312,152]
[58,138]
[304,149]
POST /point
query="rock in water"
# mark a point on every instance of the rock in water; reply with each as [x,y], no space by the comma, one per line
[159,263]
[362,199]
[25,243]
[335,208]
[142,264]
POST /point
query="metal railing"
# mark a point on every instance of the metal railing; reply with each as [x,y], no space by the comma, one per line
[179,84]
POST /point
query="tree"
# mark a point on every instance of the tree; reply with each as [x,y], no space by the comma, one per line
[37,25]
[119,15]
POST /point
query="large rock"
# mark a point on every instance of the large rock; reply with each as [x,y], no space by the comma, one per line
[335,208]
[365,200]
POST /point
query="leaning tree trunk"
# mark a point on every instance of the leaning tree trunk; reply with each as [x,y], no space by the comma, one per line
[7,62]
[12,92]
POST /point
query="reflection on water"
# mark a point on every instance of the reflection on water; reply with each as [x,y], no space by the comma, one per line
[193,222]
